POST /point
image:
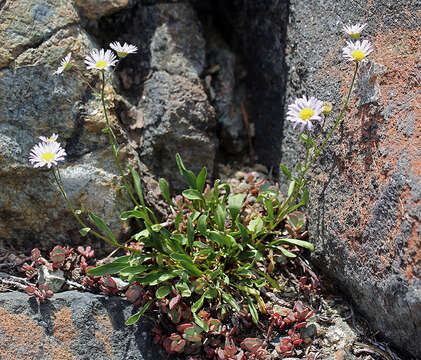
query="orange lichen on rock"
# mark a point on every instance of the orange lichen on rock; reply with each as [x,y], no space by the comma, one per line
[21,338]
[63,326]
[105,333]
[379,132]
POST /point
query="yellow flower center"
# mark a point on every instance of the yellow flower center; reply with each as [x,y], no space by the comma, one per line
[306,113]
[357,55]
[101,64]
[121,54]
[47,156]
[355,36]
[67,66]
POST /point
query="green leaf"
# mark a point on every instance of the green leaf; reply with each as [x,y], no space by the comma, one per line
[234,205]
[200,322]
[102,226]
[256,225]
[219,238]
[210,293]
[291,188]
[230,300]
[137,185]
[253,310]
[192,194]
[178,219]
[163,291]
[138,214]
[305,196]
[109,269]
[157,277]
[134,270]
[134,318]
[202,225]
[285,252]
[188,175]
[220,214]
[201,179]
[190,232]
[165,191]
[301,243]
[286,171]
[187,263]
[198,304]
[183,289]
[84,231]
[307,139]
[244,232]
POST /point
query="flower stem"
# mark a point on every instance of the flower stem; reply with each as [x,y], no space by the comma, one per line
[294,194]
[69,204]
[113,142]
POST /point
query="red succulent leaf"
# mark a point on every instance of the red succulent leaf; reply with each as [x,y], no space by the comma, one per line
[174,301]
[58,255]
[252,344]
[134,294]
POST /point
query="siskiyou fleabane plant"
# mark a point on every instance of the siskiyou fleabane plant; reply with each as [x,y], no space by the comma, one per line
[208,249]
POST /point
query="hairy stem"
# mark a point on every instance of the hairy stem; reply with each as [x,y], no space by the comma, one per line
[113,142]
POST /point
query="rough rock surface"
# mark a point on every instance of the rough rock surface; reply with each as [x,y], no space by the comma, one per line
[365,188]
[168,110]
[34,102]
[163,109]
[95,9]
[72,326]
[256,29]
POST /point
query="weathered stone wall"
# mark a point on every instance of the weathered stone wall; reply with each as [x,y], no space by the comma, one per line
[73,326]
[157,102]
[365,207]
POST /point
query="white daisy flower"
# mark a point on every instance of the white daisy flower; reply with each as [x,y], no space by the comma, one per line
[65,64]
[354,30]
[303,111]
[357,51]
[52,138]
[101,60]
[123,50]
[46,153]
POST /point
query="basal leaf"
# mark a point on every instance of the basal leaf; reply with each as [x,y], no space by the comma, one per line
[137,185]
[198,304]
[253,310]
[202,225]
[301,243]
[163,291]
[220,214]
[165,191]
[188,175]
[111,268]
[234,205]
[201,179]
[190,232]
[230,300]
[134,318]
[192,194]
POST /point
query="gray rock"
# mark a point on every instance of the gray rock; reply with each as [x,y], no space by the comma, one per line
[365,188]
[95,9]
[73,326]
[168,110]
[34,102]
[53,279]
[228,92]
[256,29]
